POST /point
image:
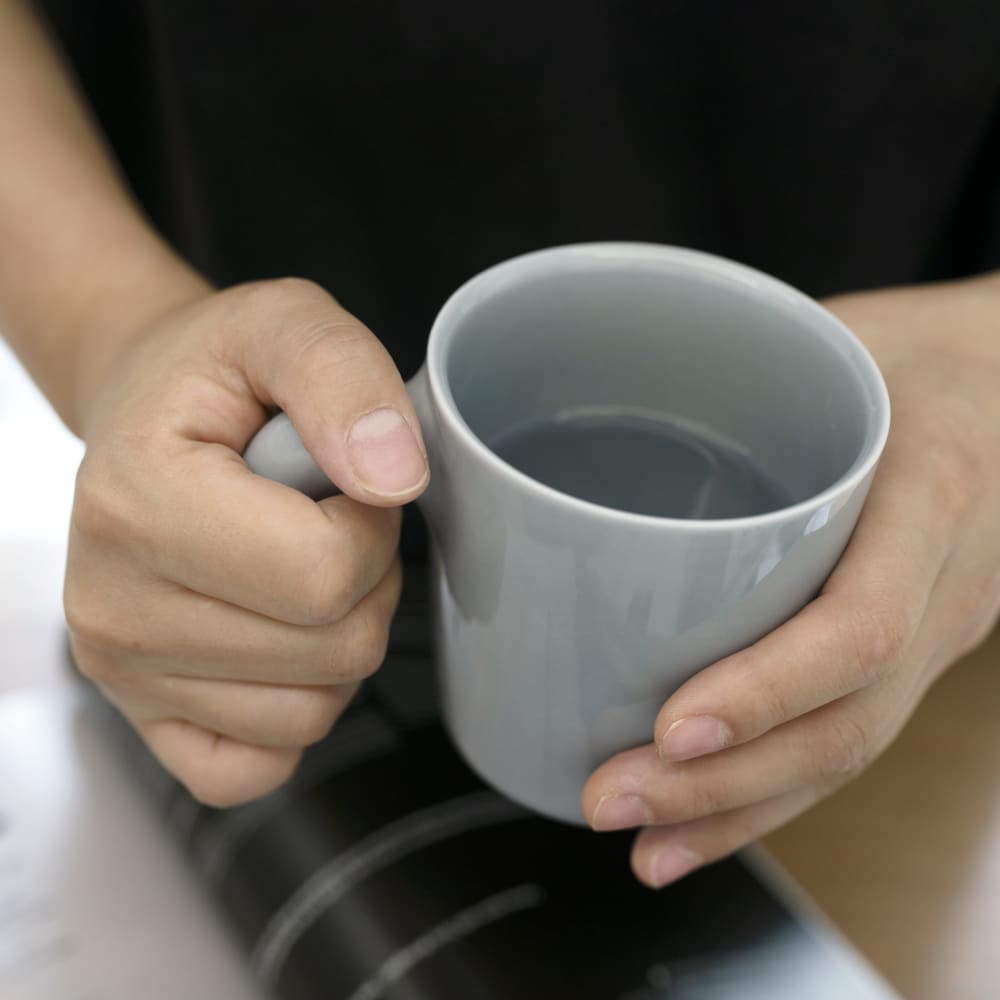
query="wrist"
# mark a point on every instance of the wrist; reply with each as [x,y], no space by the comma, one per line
[121,302]
[981,327]
[950,319]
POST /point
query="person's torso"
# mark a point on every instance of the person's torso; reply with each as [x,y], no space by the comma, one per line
[391,150]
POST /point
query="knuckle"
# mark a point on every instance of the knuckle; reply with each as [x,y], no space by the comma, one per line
[976,609]
[976,631]
[959,460]
[309,316]
[374,646]
[267,302]
[97,509]
[709,798]
[394,584]
[214,783]
[209,786]
[880,637]
[376,621]
[772,696]
[329,345]
[328,584]
[982,627]
[846,748]
[294,289]
[93,625]
[277,294]
[90,663]
[314,717]
[334,349]
[359,654]
[108,672]
[80,620]
[954,491]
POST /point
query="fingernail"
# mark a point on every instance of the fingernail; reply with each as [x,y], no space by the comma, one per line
[620,812]
[384,453]
[693,736]
[670,863]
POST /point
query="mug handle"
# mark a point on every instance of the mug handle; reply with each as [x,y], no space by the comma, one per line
[276,451]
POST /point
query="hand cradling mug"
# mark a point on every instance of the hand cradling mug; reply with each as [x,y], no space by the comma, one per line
[643,458]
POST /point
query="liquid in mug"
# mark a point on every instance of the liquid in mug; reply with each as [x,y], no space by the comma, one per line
[642,462]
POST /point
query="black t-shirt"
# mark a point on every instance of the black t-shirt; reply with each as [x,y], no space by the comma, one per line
[390,150]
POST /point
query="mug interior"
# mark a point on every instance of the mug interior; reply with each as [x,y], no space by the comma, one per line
[701,340]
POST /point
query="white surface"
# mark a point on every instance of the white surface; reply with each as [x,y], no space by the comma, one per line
[96,903]
[38,460]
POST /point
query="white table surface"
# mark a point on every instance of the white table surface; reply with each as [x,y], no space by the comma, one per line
[96,903]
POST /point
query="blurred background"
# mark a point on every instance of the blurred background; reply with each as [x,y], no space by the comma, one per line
[96,902]
[38,460]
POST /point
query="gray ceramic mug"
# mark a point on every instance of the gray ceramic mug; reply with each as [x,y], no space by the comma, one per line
[562,625]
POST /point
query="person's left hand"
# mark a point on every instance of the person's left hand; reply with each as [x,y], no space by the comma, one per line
[760,736]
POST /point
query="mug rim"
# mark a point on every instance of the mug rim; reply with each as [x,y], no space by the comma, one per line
[566,258]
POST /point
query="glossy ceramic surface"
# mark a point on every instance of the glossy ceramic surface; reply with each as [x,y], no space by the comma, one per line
[562,626]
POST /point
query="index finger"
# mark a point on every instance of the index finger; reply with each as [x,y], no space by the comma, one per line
[213,527]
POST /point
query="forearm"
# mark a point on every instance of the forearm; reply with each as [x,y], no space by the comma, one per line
[946,320]
[80,268]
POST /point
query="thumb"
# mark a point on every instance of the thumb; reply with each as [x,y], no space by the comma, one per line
[338,385]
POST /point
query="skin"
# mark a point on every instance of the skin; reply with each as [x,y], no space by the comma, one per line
[232,619]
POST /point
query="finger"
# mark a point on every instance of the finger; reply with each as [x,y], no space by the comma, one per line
[265,715]
[216,770]
[169,631]
[242,539]
[265,547]
[825,749]
[661,855]
[857,631]
[302,352]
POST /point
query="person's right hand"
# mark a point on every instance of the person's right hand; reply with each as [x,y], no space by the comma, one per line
[228,617]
